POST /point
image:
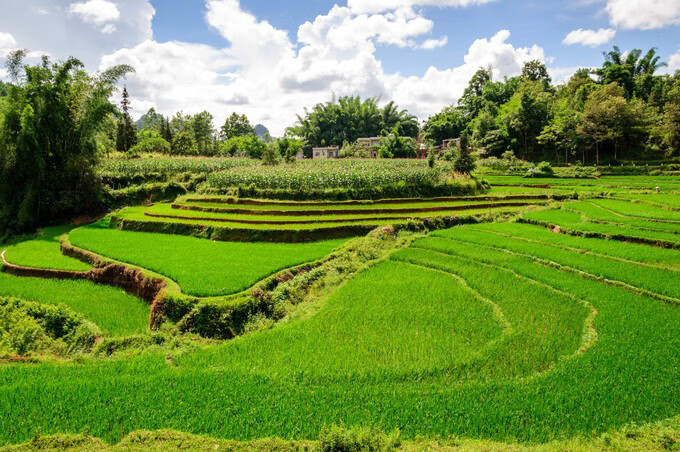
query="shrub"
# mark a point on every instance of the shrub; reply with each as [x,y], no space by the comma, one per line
[464,162]
[243,146]
[542,169]
[339,439]
[151,145]
[183,144]
[289,148]
[270,155]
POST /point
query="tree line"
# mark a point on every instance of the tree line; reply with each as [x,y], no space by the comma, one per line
[622,110]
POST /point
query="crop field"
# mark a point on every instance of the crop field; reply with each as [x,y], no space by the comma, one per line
[523,315]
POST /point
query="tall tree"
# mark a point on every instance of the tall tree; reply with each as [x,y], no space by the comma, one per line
[236,126]
[202,127]
[127,132]
[53,115]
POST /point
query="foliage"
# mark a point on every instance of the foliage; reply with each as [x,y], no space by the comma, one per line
[393,145]
[53,116]
[236,126]
[542,169]
[151,145]
[334,123]
[202,128]
[289,148]
[339,439]
[271,155]
[127,132]
[183,144]
[449,123]
[243,146]
[566,123]
[464,162]
[30,328]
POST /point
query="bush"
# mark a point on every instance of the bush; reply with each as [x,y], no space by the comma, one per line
[339,439]
[151,145]
[542,169]
[270,155]
[289,148]
[27,328]
[183,144]
[243,146]
[464,162]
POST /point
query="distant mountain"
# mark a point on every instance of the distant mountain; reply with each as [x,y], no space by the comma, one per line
[263,133]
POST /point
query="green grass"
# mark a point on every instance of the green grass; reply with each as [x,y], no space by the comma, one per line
[605,183]
[43,252]
[574,221]
[594,212]
[201,267]
[657,280]
[289,382]
[639,210]
[661,199]
[644,254]
[114,311]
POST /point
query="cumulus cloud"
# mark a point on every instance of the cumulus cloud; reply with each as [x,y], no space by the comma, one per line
[263,73]
[378,6]
[63,33]
[426,95]
[96,12]
[592,38]
[7,43]
[674,62]
[434,43]
[643,15]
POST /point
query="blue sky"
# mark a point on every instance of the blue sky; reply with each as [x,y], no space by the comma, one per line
[545,23]
[272,59]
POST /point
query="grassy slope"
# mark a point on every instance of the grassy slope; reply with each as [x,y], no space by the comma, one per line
[235,391]
[114,311]
[201,267]
[573,220]
[629,251]
[43,252]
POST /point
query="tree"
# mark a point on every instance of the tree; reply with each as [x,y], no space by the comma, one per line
[184,144]
[535,71]
[605,117]
[151,121]
[472,101]
[394,146]
[524,117]
[270,155]
[349,118]
[464,163]
[53,116]
[127,132]
[236,126]
[449,123]
[166,133]
[202,128]
[289,148]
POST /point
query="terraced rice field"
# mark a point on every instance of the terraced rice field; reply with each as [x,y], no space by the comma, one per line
[507,330]
[342,218]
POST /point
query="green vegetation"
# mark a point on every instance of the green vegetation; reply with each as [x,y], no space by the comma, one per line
[112,310]
[49,127]
[201,267]
[30,329]
[43,252]
[581,346]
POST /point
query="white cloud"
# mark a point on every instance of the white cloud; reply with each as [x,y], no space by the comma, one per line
[643,14]
[262,73]
[674,62]
[426,95]
[592,38]
[434,43]
[7,43]
[62,33]
[96,12]
[378,6]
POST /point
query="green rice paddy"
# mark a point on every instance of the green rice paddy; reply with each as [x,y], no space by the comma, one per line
[504,331]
